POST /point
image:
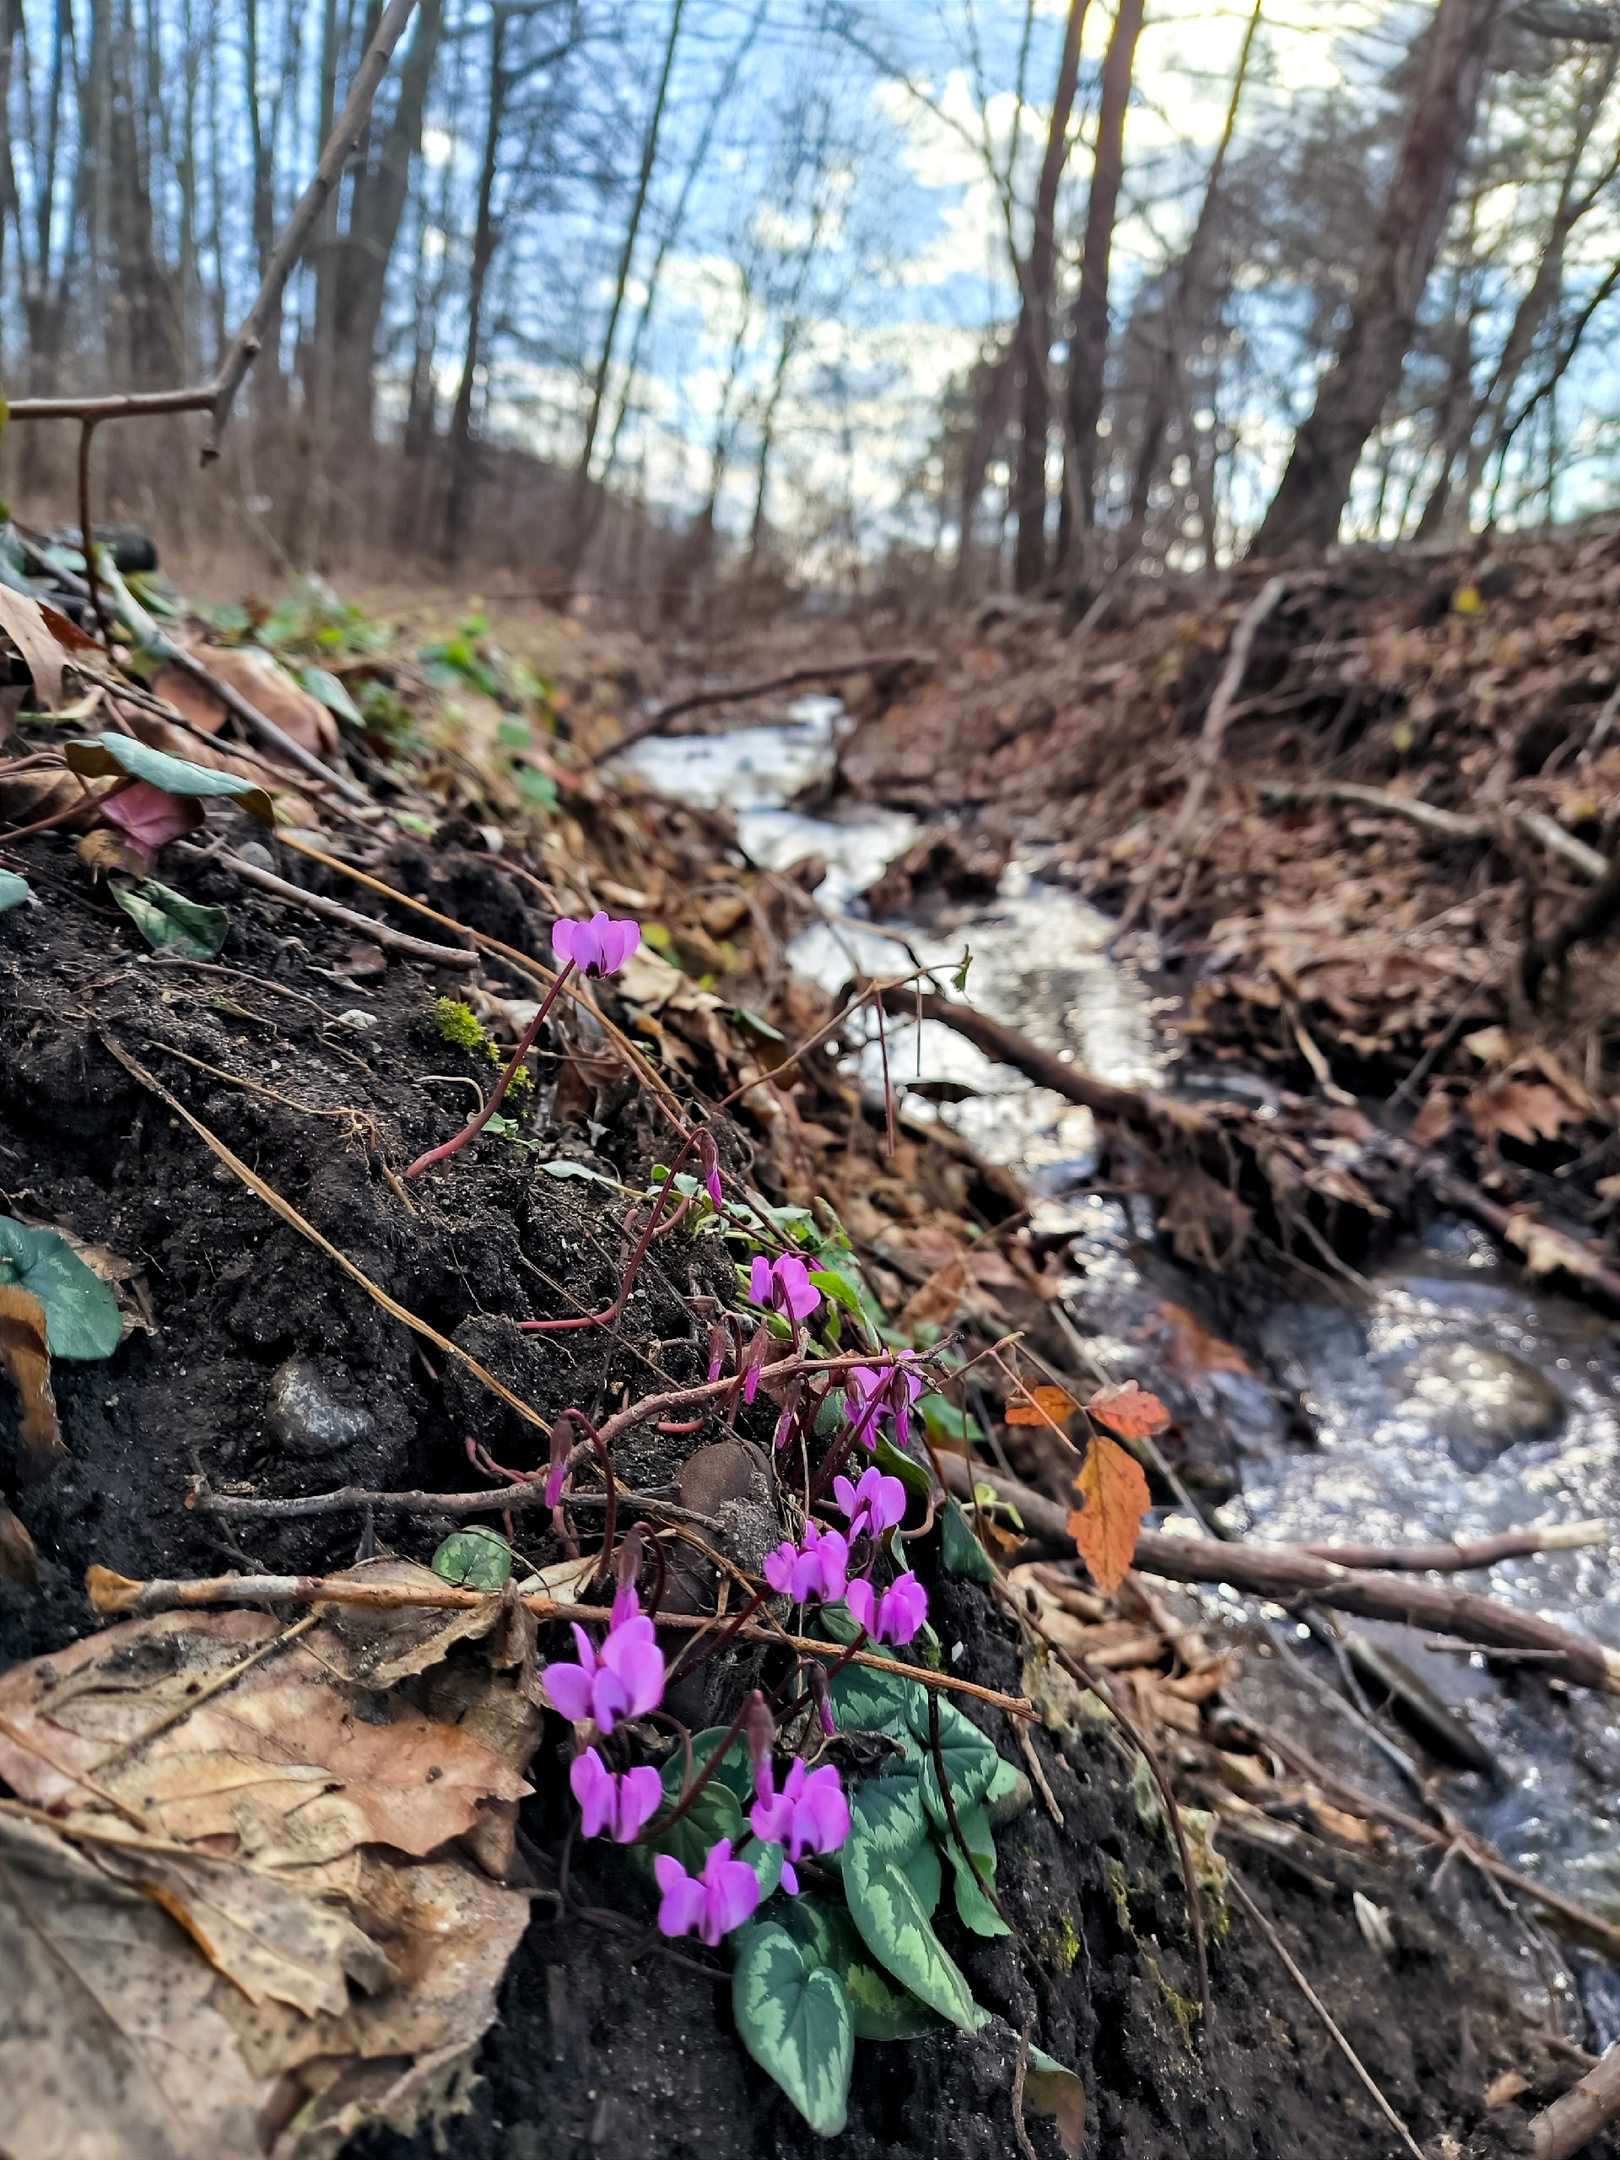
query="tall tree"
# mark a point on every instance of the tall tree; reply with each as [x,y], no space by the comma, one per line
[1036,284]
[1088,328]
[1450,72]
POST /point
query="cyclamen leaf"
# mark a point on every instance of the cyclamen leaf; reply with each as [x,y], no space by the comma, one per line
[1009,1793]
[14,890]
[959,1549]
[170,922]
[81,1313]
[970,1759]
[734,1770]
[973,1908]
[894,1926]
[862,1700]
[881,2011]
[794,2019]
[926,1876]
[712,1816]
[151,816]
[1116,1497]
[474,1559]
[99,756]
[323,684]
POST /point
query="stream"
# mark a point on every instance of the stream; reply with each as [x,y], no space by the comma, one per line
[1446,1396]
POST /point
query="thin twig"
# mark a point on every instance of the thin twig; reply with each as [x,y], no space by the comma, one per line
[735,693]
[376,933]
[120,1596]
[1374,2089]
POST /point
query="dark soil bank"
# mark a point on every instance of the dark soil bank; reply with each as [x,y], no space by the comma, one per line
[269,1370]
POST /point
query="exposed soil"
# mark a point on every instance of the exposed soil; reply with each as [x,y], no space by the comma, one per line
[601,2044]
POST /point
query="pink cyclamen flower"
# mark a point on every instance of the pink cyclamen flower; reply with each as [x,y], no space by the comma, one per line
[809,1814]
[815,1569]
[711,1168]
[621,1804]
[710,1904]
[875,1504]
[872,1394]
[784,1285]
[598,947]
[895,1616]
[625,1678]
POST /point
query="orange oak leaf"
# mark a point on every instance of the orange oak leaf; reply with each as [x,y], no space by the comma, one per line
[1043,1406]
[1115,1496]
[1130,1411]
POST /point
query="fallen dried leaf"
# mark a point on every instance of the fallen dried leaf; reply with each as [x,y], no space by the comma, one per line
[1043,1406]
[1130,1411]
[19,1563]
[25,1357]
[1115,1497]
[255,676]
[1524,1110]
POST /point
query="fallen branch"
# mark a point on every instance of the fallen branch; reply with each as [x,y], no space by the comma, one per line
[1449,1556]
[735,693]
[1594,914]
[1128,1106]
[1446,824]
[119,1595]
[1286,1574]
[1573,2120]
[376,933]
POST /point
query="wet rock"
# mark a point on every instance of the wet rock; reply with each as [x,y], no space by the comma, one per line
[306,1417]
[1479,1399]
[939,864]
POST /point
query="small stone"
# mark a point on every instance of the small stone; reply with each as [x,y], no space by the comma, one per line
[256,853]
[1480,1400]
[356,1017]
[305,1416]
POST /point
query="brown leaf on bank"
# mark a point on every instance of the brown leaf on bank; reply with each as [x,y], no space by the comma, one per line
[258,1752]
[1130,1411]
[19,1563]
[1523,1110]
[1115,1497]
[44,638]
[1044,1406]
[268,1972]
[265,685]
[25,1356]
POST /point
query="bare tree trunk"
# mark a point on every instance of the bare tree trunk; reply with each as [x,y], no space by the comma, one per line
[461,446]
[992,386]
[1311,496]
[1164,374]
[1088,330]
[1035,321]
[579,519]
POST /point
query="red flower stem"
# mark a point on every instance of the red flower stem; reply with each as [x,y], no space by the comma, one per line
[610,1313]
[471,1130]
[706,1646]
[610,1509]
[842,1448]
[694,1791]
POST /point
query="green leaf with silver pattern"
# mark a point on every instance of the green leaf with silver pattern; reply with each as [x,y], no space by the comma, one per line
[794,2019]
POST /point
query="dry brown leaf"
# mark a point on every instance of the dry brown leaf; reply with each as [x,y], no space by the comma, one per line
[1194,1349]
[26,1357]
[42,636]
[1524,1110]
[255,676]
[1044,1406]
[1115,1497]
[19,1563]
[272,1740]
[1506,2087]
[1130,1411]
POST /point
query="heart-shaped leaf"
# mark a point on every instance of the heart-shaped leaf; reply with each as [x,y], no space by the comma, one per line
[475,1559]
[794,2019]
[323,684]
[151,815]
[81,1313]
[97,756]
[715,1814]
[14,890]
[894,1926]
[974,1908]
[170,922]
[969,1758]
[960,1549]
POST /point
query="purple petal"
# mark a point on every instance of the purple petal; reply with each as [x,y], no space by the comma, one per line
[790,1878]
[732,1894]
[565,937]
[716,1189]
[618,940]
[610,1700]
[556,1479]
[667,1871]
[640,1793]
[779,1568]
[568,1690]
[639,1667]
[847,1495]
[858,1597]
[683,1907]
[771,1820]
[760,1281]
[824,1813]
[593,1788]
[585,1647]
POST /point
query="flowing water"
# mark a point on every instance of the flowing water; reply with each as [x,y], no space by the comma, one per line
[1445,1397]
